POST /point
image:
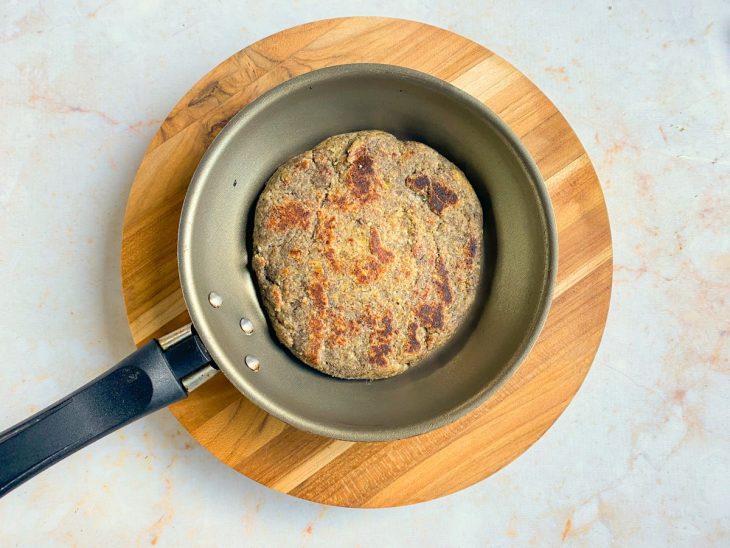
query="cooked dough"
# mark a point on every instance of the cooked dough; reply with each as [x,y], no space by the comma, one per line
[367,252]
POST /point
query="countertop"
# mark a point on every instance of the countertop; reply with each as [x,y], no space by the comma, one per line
[641,457]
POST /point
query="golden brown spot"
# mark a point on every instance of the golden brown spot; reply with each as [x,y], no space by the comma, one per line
[387,329]
[412,342]
[378,353]
[340,326]
[318,295]
[303,164]
[331,259]
[326,235]
[418,183]
[431,316]
[441,282]
[287,216]
[342,202]
[380,341]
[368,318]
[342,330]
[361,178]
[441,197]
[314,343]
[366,270]
[377,249]
[276,297]
[318,290]
[295,253]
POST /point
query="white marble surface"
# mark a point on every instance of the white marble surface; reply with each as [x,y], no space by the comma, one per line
[642,455]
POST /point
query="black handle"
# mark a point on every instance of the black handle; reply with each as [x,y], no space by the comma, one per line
[149,379]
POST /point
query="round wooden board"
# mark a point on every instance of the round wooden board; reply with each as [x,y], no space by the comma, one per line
[455,456]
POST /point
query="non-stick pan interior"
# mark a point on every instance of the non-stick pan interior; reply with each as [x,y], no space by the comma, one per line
[519,263]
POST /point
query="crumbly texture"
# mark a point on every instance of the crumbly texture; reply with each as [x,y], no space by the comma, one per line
[367,252]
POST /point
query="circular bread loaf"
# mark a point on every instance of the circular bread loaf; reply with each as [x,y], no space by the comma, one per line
[367,253]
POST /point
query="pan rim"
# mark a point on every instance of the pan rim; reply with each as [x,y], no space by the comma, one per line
[383,433]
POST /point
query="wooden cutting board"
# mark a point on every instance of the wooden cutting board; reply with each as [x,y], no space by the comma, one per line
[455,456]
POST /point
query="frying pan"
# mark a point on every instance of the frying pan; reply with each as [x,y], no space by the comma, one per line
[229,330]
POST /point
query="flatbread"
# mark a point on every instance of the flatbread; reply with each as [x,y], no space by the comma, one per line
[367,253]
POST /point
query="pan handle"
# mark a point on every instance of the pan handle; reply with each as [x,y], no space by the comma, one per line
[158,374]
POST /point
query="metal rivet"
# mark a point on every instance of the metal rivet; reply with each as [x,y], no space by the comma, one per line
[253,363]
[246,326]
[214,299]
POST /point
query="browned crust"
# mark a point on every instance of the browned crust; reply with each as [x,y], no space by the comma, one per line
[366,251]
[288,215]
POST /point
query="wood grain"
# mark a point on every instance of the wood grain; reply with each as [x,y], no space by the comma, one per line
[448,459]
